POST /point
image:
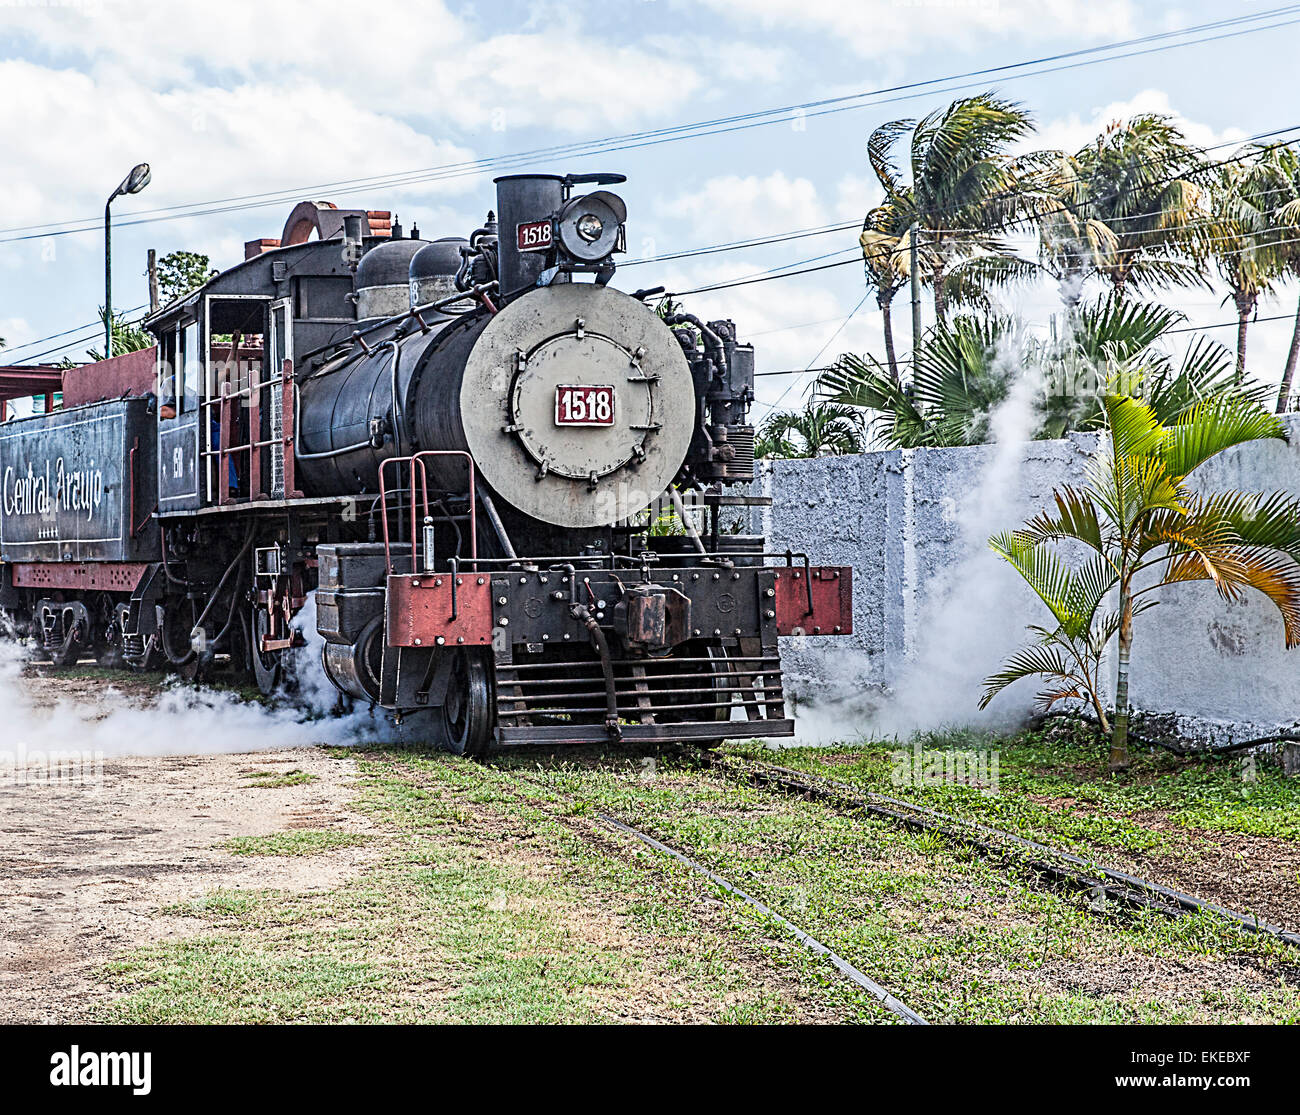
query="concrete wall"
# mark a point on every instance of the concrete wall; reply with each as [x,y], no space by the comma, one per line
[935,611]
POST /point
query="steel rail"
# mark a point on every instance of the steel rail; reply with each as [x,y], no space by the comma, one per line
[1126,888]
[888,1001]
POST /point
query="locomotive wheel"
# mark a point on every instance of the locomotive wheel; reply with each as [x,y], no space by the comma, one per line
[465,720]
[69,654]
[716,689]
[268,668]
[152,658]
[108,652]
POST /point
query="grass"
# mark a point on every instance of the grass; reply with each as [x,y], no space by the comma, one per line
[275,779]
[956,938]
[470,915]
[1053,786]
[109,674]
[299,842]
[494,895]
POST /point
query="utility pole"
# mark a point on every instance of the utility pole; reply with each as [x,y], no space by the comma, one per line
[915,276]
[108,276]
[153,280]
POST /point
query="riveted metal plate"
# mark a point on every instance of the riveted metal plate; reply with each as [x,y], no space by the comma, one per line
[420,610]
[832,600]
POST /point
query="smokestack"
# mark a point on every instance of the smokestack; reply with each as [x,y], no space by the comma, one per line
[521,200]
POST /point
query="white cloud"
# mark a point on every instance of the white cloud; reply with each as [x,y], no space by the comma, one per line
[424,63]
[14,331]
[742,61]
[856,195]
[731,207]
[72,135]
[879,30]
[1070,133]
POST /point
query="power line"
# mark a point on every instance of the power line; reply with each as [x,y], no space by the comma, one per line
[825,344]
[86,338]
[1180,329]
[1225,324]
[820,230]
[783,271]
[736,245]
[721,125]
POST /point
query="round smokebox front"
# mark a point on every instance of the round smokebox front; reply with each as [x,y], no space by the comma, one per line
[578,405]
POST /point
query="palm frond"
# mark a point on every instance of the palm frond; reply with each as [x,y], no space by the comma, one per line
[1232,568]
[1076,519]
[1213,426]
[880,146]
[1036,660]
[1071,595]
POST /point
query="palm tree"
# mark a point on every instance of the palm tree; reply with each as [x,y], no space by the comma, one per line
[1072,246]
[956,383]
[1135,514]
[1140,179]
[963,372]
[1243,197]
[819,430]
[1111,344]
[127,337]
[1286,223]
[964,189]
[886,257]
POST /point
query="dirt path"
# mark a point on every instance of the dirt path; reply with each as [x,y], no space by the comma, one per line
[86,870]
[100,861]
[93,852]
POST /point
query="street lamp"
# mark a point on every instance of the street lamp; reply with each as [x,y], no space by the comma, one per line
[133,183]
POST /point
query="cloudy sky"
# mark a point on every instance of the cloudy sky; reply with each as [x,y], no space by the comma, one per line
[235,101]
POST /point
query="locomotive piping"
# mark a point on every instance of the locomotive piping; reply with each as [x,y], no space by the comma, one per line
[583,615]
[490,508]
[712,342]
[687,525]
[188,656]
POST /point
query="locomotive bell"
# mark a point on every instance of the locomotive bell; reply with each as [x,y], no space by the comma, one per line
[578,405]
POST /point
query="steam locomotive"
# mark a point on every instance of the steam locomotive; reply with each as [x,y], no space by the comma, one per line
[506,483]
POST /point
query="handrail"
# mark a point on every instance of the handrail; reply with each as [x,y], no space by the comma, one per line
[414,461]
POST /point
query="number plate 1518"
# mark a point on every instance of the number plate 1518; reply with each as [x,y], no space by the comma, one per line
[584,404]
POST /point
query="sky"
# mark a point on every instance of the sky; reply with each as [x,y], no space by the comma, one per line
[242,98]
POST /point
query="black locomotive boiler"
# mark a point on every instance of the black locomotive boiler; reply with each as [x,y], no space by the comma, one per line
[507,483]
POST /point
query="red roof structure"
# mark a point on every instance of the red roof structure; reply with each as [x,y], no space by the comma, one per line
[19,381]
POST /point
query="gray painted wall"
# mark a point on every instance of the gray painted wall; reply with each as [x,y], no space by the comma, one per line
[935,611]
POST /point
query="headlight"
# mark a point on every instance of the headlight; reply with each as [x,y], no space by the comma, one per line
[588,226]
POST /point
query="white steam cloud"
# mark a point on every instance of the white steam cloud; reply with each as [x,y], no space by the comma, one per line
[958,624]
[971,613]
[183,720]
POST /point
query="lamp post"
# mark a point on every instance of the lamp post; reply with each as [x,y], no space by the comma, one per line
[133,183]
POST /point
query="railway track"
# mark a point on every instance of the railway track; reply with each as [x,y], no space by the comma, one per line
[889,1001]
[1051,864]
[848,970]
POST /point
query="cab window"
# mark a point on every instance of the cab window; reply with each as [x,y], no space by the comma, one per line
[167,365]
[192,365]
